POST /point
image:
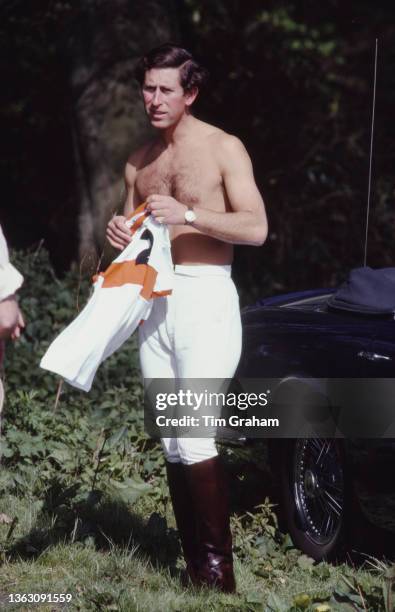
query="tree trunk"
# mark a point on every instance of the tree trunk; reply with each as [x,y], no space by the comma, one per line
[108,119]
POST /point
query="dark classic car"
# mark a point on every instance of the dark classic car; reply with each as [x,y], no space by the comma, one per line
[326,482]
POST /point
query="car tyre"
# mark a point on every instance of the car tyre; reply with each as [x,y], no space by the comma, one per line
[314,496]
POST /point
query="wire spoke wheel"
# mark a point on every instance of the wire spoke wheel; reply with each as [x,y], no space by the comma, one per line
[318,486]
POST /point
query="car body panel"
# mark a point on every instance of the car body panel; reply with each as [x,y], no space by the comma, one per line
[298,335]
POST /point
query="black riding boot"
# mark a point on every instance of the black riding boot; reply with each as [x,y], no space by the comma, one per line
[209,489]
[184,513]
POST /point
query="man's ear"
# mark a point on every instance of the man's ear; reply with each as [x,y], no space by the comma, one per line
[191,95]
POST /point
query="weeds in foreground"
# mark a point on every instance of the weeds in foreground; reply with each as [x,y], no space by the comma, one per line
[84,506]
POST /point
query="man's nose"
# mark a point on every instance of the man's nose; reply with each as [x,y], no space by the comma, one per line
[156,100]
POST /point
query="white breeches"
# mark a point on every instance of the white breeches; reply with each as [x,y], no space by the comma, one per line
[193,333]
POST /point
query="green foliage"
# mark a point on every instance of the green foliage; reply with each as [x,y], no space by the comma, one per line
[66,449]
[294,81]
[82,488]
[256,535]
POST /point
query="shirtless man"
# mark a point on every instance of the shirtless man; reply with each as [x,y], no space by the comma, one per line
[198,180]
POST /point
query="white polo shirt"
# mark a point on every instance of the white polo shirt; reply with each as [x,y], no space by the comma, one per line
[122,299]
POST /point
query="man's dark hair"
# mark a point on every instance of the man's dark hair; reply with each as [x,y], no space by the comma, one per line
[171,56]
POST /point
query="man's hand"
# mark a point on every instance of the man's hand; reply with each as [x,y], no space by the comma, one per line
[166,209]
[11,319]
[118,234]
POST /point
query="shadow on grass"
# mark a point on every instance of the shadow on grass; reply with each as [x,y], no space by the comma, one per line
[66,517]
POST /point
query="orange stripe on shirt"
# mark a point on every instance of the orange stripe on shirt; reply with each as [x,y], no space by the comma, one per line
[127,272]
[140,208]
[140,220]
[149,281]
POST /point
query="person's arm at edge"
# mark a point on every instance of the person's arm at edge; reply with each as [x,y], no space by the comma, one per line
[11,319]
[10,279]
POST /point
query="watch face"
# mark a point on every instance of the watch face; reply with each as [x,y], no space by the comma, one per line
[190,216]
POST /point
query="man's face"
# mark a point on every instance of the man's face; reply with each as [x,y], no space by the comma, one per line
[164,98]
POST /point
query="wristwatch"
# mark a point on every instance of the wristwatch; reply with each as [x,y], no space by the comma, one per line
[189,216]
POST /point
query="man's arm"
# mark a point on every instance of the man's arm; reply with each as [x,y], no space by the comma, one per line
[118,233]
[246,223]
[131,200]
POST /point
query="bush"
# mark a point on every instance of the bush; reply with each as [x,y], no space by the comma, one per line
[51,431]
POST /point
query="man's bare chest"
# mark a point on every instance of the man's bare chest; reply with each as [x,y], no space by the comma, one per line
[188,178]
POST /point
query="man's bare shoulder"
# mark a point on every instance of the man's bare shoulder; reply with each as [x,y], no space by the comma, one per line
[201,130]
[227,143]
[228,149]
[219,139]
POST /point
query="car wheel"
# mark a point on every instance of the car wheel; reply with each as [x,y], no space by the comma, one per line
[314,496]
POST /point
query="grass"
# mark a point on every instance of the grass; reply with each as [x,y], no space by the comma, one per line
[85,509]
[117,556]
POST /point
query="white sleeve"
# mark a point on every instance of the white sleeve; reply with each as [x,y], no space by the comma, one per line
[10,278]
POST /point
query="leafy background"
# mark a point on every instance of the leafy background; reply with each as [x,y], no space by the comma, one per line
[84,507]
[292,79]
